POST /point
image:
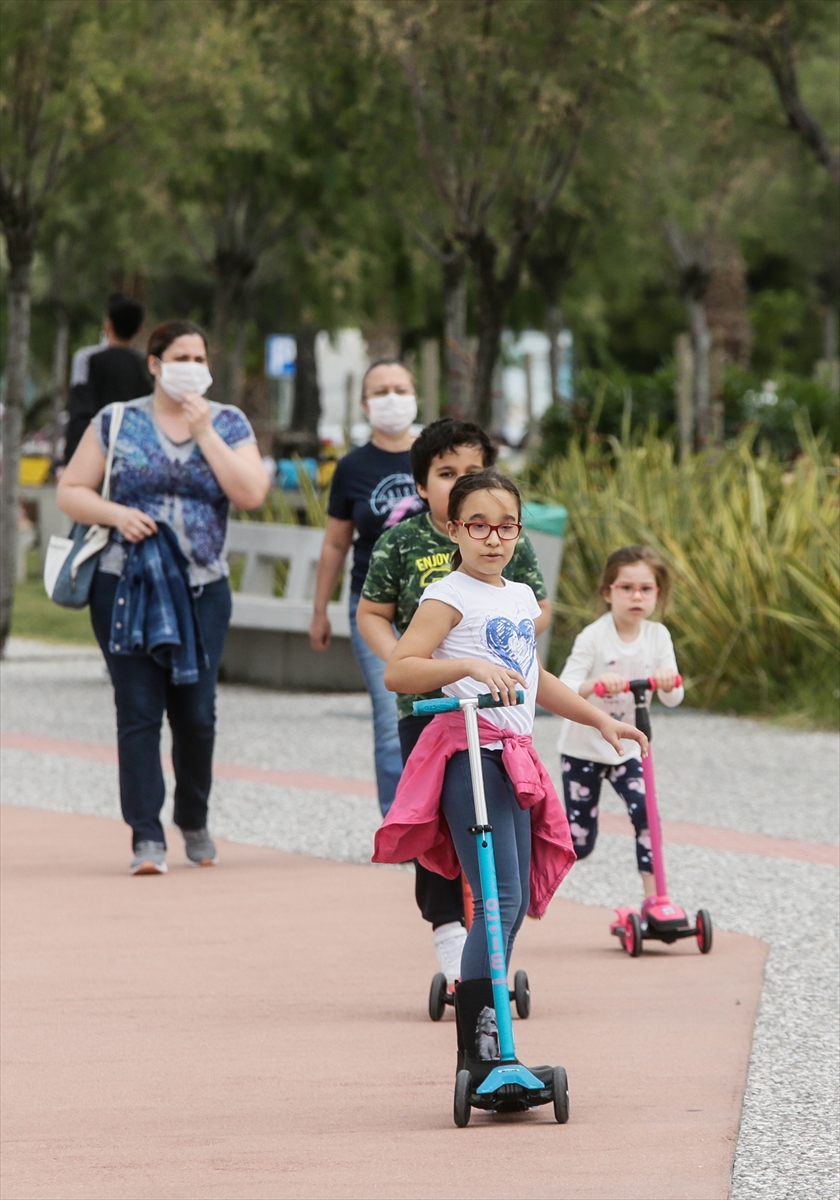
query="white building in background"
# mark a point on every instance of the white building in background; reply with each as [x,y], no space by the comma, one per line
[342,360]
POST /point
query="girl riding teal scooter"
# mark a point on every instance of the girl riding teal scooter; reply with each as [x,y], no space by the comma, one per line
[472,636]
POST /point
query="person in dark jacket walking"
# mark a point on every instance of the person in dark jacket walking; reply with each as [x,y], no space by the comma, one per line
[105,374]
[180,462]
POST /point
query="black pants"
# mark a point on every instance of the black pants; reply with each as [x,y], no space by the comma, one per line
[439,899]
[582,790]
[143,692]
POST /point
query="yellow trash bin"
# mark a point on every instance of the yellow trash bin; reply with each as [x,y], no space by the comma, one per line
[34,469]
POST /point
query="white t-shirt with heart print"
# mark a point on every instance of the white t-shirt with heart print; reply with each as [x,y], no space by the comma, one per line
[497,624]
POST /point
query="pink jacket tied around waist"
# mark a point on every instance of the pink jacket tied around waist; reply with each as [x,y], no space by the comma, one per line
[416,828]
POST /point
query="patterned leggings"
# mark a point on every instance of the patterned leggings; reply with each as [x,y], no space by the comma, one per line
[581,791]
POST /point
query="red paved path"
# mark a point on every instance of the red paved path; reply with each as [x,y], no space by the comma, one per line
[258,1030]
[682,832]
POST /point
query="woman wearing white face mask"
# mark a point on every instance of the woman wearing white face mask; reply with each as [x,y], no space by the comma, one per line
[179,462]
[367,485]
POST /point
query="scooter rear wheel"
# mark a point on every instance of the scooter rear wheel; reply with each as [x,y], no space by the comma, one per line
[633,935]
[704,931]
[560,1084]
[522,995]
[437,996]
[461,1108]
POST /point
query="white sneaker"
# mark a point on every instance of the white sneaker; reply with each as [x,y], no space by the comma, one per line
[448,941]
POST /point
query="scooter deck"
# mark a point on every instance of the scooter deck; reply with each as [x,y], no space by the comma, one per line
[514,1088]
[506,1074]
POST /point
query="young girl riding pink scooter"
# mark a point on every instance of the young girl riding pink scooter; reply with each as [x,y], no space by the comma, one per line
[473,633]
[621,645]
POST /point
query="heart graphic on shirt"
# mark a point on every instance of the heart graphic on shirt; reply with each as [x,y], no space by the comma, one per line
[514,645]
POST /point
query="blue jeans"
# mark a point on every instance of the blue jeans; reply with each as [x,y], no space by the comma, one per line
[143,691]
[387,758]
[511,846]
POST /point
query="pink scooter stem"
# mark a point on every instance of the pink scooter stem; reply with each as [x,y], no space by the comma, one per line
[654,828]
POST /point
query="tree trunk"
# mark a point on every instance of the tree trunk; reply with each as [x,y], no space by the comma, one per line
[554,324]
[232,269]
[684,360]
[491,318]
[456,351]
[830,332]
[219,335]
[236,360]
[306,410]
[17,367]
[701,345]
[59,390]
[493,296]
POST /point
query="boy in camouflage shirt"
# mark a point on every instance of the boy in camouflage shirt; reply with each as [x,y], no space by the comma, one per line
[405,560]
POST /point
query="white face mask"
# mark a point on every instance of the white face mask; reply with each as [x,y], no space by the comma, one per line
[392,413]
[178,378]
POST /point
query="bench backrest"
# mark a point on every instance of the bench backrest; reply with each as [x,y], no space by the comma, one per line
[263,544]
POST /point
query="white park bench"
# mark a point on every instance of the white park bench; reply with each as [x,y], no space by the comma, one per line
[268,641]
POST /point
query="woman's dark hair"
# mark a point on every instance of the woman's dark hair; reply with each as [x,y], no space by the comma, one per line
[627,556]
[162,336]
[481,481]
[442,436]
[386,362]
[125,314]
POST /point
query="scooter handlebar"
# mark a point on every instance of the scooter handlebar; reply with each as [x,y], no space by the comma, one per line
[424,708]
[600,690]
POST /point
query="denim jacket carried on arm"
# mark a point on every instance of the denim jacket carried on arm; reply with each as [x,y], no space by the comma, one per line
[154,608]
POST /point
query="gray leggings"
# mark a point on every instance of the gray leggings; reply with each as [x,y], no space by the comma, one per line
[511,843]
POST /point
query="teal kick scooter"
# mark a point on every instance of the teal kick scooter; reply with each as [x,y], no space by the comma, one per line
[509,1086]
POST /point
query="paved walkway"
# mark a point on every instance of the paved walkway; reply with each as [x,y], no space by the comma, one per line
[259,1031]
[148,1065]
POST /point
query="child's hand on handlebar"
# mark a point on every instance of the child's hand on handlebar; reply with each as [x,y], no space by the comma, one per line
[501,682]
[613,731]
[666,680]
[613,683]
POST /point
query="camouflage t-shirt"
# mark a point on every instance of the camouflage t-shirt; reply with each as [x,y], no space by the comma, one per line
[407,558]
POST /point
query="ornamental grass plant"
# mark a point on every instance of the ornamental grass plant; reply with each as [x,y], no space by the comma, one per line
[754,548]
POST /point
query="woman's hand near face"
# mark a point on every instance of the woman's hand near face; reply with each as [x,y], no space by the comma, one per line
[135,525]
[196,412]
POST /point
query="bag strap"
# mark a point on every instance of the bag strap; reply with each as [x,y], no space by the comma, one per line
[113,434]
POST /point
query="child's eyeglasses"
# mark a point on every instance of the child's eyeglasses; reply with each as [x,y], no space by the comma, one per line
[478,530]
[629,589]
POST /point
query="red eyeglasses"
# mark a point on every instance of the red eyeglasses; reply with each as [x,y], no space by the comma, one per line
[479,530]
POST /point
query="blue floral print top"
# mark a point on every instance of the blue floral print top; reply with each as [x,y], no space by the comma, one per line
[172,482]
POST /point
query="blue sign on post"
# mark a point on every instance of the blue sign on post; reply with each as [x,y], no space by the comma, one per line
[280,356]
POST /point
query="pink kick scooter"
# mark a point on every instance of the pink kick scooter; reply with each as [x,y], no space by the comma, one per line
[660,920]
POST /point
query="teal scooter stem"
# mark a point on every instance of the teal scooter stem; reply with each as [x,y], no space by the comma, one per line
[509,1070]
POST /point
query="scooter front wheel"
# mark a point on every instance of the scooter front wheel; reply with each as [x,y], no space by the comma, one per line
[560,1086]
[704,931]
[437,996]
[461,1108]
[633,935]
[522,995]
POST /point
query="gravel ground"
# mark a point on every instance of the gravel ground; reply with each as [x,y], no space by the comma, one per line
[719,771]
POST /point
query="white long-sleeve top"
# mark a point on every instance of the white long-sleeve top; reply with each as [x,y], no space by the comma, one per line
[599,650]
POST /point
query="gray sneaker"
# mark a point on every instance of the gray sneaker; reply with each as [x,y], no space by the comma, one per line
[149,859]
[200,848]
